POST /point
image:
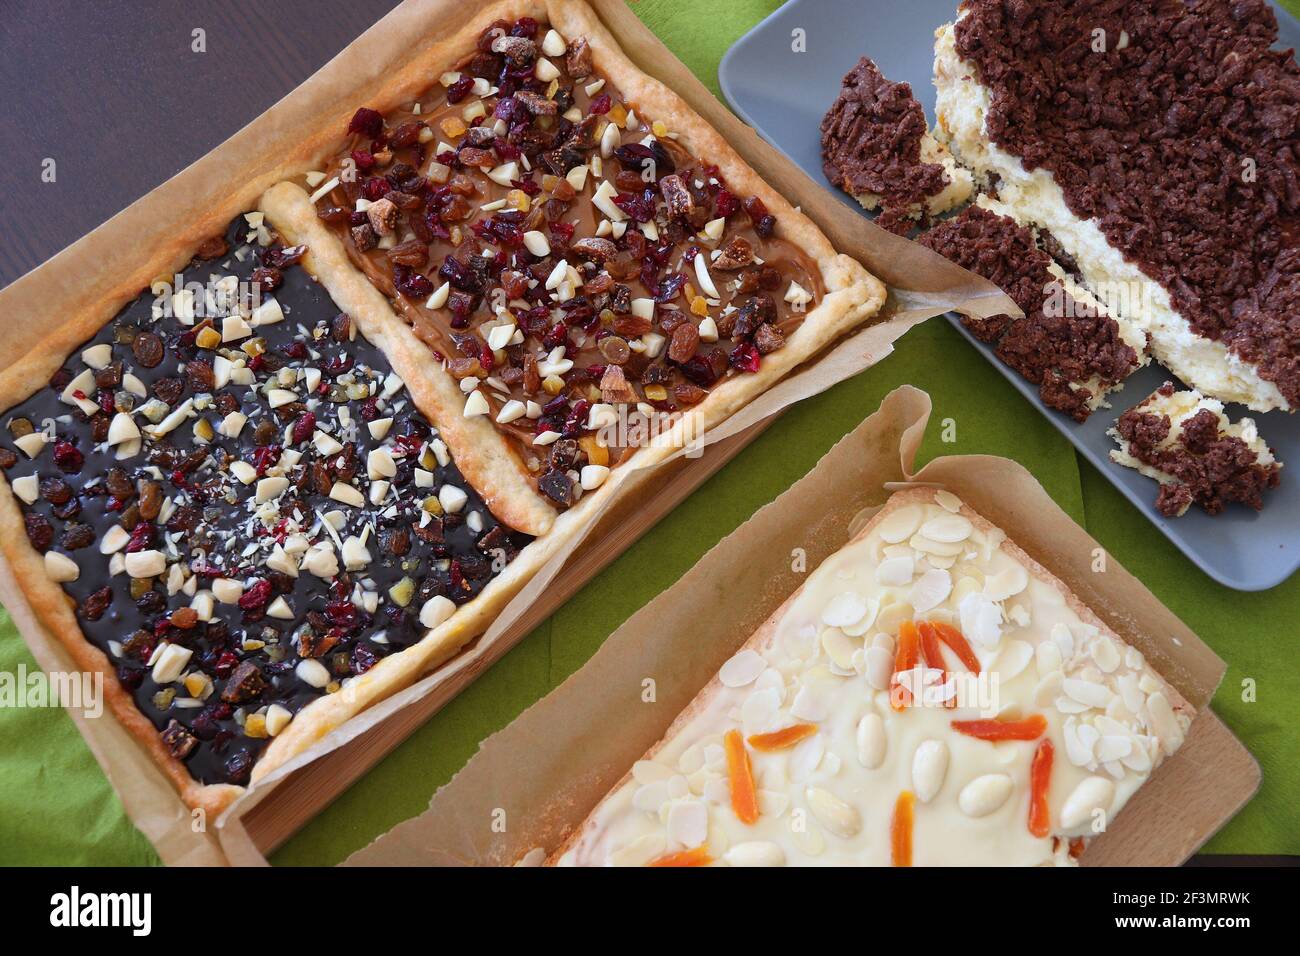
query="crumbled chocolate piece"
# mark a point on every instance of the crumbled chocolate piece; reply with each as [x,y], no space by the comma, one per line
[871,145]
[1206,466]
[557,486]
[1058,353]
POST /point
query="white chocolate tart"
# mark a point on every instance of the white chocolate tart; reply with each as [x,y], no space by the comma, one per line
[827,738]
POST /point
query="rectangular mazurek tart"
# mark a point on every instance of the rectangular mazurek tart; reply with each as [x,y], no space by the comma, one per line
[931,695]
[576,248]
[259,501]
[1154,145]
[238,511]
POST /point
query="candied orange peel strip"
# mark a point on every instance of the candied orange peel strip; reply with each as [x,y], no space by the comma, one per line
[744,798]
[933,655]
[695,856]
[783,738]
[900,830]
[958,643]
[1040,775]
[905,658]
[1028,728]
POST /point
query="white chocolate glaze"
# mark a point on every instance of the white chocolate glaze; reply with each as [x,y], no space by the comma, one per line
[829,799]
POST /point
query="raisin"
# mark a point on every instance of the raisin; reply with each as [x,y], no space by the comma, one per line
[7,458]
[39,532]
[267,278]
[238,768]
[55,490]
[685,340]
[110,376]
[201,376]
[341,328]
[151,498]
[93,608]
[119,484]
[168,390]
[76,536]
[148,349]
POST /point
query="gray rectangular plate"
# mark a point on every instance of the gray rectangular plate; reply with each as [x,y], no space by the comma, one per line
[783,94]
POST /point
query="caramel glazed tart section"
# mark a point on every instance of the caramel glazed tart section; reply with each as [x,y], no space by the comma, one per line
[563,256]
[242,505]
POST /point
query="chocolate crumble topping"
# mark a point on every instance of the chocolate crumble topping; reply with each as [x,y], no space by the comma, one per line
[1209,468]
[1182,143]
[871,143]
[1056,352]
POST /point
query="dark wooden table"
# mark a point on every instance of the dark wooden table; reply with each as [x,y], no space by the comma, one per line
[116,94]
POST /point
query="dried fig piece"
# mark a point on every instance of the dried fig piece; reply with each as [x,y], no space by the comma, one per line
[768,338]
[736,254]
[594,248]
[614,387]
[680,202]
[577,59]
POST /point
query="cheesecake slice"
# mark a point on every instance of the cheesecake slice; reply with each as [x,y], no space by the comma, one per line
[1183,440]
[1173,188]
[877,148]
[1068,344]
[931,695]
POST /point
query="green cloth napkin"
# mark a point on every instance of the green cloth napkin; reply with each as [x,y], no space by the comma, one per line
[57,808]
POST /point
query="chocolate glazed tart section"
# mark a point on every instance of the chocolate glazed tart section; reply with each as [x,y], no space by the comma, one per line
[319,402]
[523,190]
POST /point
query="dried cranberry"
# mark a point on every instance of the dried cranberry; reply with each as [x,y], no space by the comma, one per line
[67,457]
[460,89]
[557,335]
[600,105]
[745,357]
[264,457]
[363,159]
[225,663]
[375,189]
[577,419]
[141,537]
[304,427]
[367,122]
[414,284]
[256,596]
[725,203]
[342,613]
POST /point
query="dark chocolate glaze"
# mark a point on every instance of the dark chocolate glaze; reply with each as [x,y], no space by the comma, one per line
[455,561]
